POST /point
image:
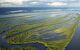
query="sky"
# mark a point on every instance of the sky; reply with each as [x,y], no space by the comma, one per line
[39,3]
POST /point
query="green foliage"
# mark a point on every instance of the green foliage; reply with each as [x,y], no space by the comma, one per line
[24,33]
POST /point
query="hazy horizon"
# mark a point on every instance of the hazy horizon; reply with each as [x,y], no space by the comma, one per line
[40,3]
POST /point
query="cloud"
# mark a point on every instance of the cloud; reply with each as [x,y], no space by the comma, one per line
[57,4]
[34,3]
[12,1]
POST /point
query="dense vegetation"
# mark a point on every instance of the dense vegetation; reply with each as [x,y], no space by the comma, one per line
[53,33]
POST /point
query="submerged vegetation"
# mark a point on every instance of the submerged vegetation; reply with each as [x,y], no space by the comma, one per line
[53,33]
